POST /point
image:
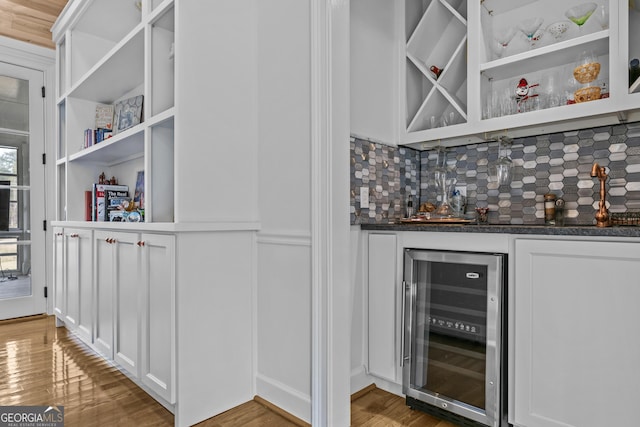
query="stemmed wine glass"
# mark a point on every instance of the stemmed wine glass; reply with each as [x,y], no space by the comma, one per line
[602,16]
[580,14]
[529,28]
[503,38]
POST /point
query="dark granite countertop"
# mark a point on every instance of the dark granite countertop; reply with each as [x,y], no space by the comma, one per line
[566,230]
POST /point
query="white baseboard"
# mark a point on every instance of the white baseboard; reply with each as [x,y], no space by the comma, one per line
[389,386]
[284,397]
[360,379]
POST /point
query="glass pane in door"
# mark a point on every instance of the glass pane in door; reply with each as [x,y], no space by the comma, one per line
[15,226]
[450,324]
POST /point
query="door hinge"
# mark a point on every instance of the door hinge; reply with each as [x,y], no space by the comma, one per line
[44,158]
[43,92]
[44,225]
[45,292]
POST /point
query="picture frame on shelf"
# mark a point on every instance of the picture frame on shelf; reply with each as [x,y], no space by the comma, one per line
[128,113]
[104,116]
[138,195]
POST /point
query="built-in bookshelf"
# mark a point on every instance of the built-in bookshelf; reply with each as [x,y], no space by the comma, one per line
[108,52]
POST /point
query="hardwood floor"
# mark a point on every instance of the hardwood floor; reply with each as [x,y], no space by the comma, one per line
[44,365]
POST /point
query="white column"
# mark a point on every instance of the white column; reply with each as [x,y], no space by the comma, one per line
[330,373]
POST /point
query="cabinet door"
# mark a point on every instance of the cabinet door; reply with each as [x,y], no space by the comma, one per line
[80,283]
[158,319]
[127,299]
[59,273]
[374,70]
[382,299]
[104,273]
[72,282]
[576,350]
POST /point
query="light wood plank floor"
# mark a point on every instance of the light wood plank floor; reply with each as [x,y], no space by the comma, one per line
[44,365]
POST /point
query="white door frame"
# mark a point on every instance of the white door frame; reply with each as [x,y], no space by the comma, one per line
[41,59]
[330,299]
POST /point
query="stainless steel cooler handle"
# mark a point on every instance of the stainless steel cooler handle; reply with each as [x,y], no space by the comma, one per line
[402,322]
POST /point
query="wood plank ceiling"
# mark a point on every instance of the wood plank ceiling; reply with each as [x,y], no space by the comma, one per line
[30,20]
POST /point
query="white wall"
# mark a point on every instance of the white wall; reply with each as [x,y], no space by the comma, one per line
[283,371]
[219,140]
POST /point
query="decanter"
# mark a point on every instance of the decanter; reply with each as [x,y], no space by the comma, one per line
[444,177]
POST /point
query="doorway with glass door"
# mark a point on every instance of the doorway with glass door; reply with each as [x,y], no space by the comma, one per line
[22,192]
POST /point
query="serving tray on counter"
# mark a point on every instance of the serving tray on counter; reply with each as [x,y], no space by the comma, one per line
[436,221]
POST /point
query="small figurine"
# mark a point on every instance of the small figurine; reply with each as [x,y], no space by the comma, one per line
[522,90]
[113,181]
[102,179]
[128,206]
[436,71]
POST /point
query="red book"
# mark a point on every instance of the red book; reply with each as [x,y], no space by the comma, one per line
[88,206]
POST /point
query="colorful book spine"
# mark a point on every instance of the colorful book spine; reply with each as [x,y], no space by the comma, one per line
[101,213]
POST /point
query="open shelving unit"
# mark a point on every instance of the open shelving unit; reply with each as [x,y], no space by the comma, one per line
[480,77]
[438,40]
[104,61]
[547,65]
[634,42]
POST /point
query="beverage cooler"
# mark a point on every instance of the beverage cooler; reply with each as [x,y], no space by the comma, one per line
[452,341]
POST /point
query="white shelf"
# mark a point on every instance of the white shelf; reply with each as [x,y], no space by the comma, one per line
[565,52]
[635,87]
[94,19]
[120,71]
[162,117]
[122,147]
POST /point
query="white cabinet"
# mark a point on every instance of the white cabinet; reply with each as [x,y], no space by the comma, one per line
[104,277]
[575,348]
[373,68]
[128,297]
[118,291]
[383,319]
[158,334]
[79,282]
[136,306]
[59,273]
[460,82]
[109,51]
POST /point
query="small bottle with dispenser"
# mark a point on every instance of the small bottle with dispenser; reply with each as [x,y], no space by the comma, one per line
[550,209]
[410,209]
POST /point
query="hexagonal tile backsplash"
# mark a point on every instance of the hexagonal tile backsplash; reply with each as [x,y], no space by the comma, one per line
[557,163]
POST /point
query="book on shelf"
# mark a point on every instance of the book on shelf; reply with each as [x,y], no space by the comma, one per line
[102,134]
[100,211]
[95,136]
[128,113]
[114,201]
[88,205]
[104,116]
[89,138]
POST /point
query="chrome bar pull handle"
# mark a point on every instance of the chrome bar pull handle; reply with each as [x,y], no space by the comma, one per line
[402,320]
